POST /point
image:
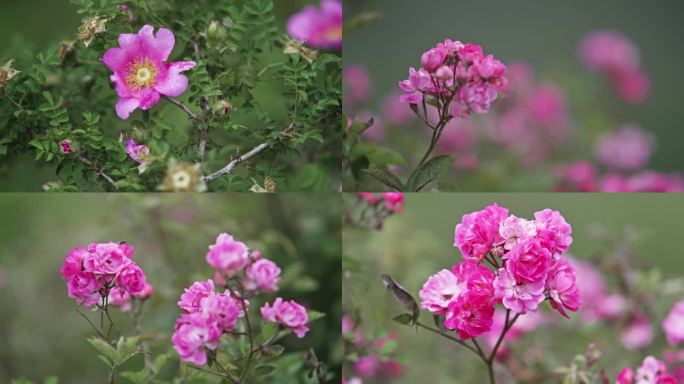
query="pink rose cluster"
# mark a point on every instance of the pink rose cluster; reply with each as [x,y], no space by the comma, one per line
[101,271]
[651,371]
[528,267]
[453,71]
[612,54]
[318,27]
[392,201]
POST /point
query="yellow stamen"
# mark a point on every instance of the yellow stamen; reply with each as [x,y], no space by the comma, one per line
[142,73]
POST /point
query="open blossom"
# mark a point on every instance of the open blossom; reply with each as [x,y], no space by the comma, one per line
[318,27]
[519,297]
[673,325]
[262,275]
[554,230]
[106,258]
[227,254]
[514,230]
[132,279]
[440,290]
[529,261]
[414,87]
[394,201]
[191,299]
[140,71]
[223,309]
[137,152]
[479,231]
[289,314]
[194,335]
[471,314]
[627,148]
[562,288]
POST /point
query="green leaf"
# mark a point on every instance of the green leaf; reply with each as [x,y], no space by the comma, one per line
[138,377]
[125,347]
[263,370]
[404,318]
[386,177]
[36,144]
[315,315]
[51,380]
[376,155]
[428,172]
[105,349]
[272,351]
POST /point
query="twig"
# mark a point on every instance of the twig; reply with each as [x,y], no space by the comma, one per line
[244,373]
[182,106]
[91,324]
[219,374]
[99,171]
[235,162]
[447,336]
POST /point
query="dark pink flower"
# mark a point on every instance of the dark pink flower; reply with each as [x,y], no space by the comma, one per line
[84,287]
[563,291]
[369,197]
[289,314]
[394,201]
[529,261]
[470,315]
[73,262]
[433,58]
[319,28]
[191,299]
[131,279]
[106,258]
[141,74]
[66,147]
[479,231]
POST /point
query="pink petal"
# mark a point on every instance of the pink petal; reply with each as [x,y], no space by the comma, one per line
[174,84]
[158,47]
[148,99]
[129,41]
[124,107]
[115,59]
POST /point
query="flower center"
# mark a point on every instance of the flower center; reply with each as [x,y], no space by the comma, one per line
[181,180]
[333,33]
[142,73]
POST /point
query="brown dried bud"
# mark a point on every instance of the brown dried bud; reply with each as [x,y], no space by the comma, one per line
[7,73]
[90,28]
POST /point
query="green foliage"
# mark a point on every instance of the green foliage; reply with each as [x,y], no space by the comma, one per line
[246,89]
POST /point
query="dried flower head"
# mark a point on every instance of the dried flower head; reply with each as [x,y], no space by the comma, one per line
[7,73]
[90,28]
[270,186]
[182,176]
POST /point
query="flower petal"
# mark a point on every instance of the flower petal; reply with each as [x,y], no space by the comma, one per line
[157,47]
[173,83]
[115,59]
[124,107]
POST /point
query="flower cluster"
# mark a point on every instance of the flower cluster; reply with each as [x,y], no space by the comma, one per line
[209,314]
[458,73]
[651,371]
[612,54]
[318,27]
[103,271]
[529,267]
[583,176]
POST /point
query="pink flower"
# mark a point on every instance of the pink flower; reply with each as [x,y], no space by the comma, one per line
[369,197]
[319,28]
[106,258]
[514,230]
[607,51]
[673,325]
[394,201]
[554,230]
[228,254]
[73,262]
[627,148]
[131,279]
[579,176]
[529,261]
[141,74]
[638,334]
[519,297]
[146,292]
[289,314]
[137,152]
[632,85]
[650,371]
[440,290]
[394,111]
[473,97]
[626,376]
[479,231]
[66,147]
[84,287]
[470,315]
[563,291]
[357,85]
[223,309]
[546,106]
[120,298]
[191,299]
[195,335]
[477,277]
[487,67]
[417,83]
[262,275]
[367,366]
[434,58]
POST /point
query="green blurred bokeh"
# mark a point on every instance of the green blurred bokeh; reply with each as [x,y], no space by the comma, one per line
[418,242]
[544,34]
[40,332]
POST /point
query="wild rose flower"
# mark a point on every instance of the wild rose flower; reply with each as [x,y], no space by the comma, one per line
[440,290]
[529,261]
[192,297]
[137,152]
[289,314]
[141,73]
[479,231]
[519,297]
[195,335]
[638,334]
[394,201]
[223,309]
[563,291]
[318,28]
[470,315]
[66,147]
[514,230]
[414,87]
[673,325]
[262,275]
[554,230]
[357,86]
[627,148]
[227,254]
[106,258]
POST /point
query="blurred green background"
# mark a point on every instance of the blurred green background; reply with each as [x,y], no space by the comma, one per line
[418,242]
[40,332]
[544,34]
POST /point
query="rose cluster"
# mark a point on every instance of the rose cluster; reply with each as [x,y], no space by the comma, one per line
[651,371]
[528,267]
[458,73]
[209,314]
[102,273]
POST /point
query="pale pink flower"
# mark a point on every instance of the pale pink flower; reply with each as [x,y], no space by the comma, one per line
[440,290]
[223,309]
[673,325]
[141,74]
[514,230]
[529,261]
[417,83]
[555,232]
[227,254]
[191,299]
[519,297]
[194,335]
[357,85]
[318,27]
[120,298]
[262,275]
[563,291]
[650,371]
[471,314]
[289,314]
[473,97]
[146,292]
[479,231]
[627,148]
[137,152]
[394,201]
[638,334]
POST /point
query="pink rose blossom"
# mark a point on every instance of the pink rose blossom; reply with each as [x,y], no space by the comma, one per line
[440,290]
[66,147]
[434,58]
[417,83]
[394,201]
[529,261]
[227,254]
[626,376]
[195,335]
[473,97]
[137,152]
[627,148]
[132,279]
[191,299]
[471,314]
[84,287]
[120,298]
[638,334]
[223,309]
[319,28]
[262,275]
[673,325]
[73,262]
[563,291]
[479,231]
[554,230]
[140,72]
[514,230]
[106,258]
[289,314]
[519,297]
